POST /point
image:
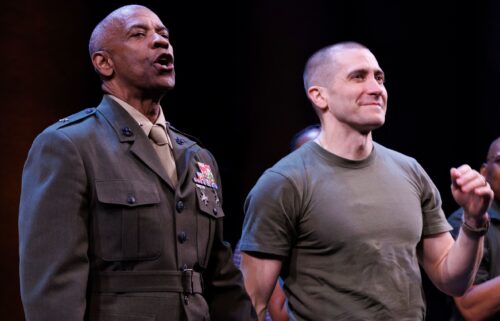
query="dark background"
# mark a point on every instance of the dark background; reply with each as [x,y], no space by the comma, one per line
[239,86]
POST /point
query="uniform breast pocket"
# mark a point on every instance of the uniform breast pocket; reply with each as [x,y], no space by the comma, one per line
[211,210]
[127,223]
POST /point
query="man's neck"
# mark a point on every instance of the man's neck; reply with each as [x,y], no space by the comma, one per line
[346,143]
[148,105]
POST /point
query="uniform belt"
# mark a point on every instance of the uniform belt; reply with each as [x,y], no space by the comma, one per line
[187,281]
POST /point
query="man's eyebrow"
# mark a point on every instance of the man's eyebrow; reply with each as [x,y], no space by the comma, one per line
[162,28]
[357,71]
[366,71]
[146,27]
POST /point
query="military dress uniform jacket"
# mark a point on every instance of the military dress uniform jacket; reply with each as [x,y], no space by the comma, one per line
[105,236]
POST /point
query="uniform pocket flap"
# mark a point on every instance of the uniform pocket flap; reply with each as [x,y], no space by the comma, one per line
[208,201]
[127,192]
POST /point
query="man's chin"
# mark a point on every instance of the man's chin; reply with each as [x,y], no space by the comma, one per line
[367,128]
[167,80]
[170,86]
[167,85]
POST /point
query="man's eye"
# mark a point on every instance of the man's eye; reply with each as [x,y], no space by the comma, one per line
[164,35]
[139,34]
[380,79]
[358,77]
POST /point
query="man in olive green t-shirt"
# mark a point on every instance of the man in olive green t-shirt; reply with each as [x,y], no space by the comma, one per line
[346,221]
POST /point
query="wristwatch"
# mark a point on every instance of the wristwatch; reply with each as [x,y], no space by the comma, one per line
[476,231]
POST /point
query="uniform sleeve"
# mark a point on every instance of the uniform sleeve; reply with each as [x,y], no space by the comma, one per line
[224,288]
[271,212]
[53,231]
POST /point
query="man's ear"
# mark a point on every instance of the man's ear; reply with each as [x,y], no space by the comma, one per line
[103,63]
[317,96]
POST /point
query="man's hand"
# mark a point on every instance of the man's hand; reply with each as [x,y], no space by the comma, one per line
[471,191]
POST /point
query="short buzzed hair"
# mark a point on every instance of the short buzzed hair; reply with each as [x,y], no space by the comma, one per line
[319,65]
[102,32]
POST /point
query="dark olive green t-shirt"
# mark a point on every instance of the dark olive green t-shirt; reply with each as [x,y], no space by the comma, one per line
[349,231]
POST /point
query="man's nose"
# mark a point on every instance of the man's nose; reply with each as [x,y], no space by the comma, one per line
[159,41]
[375,86]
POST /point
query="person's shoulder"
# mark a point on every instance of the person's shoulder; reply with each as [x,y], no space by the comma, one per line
[71,120]
[395,155]
[291,167]
[288,176]
[65,129]
[182,138]
[291,162]
[407,163]
[187,141]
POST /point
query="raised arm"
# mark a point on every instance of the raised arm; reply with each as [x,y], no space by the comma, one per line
[453,265]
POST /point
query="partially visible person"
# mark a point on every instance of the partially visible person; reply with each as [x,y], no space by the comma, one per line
[482,300]
[307,134]
[346,221]
[121,214]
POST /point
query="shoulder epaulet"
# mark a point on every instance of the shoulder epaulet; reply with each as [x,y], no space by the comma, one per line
[75,117]
[196,140]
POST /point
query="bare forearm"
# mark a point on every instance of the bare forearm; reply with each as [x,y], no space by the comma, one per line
[453,265]
[461,264]
[260,276]
[481,301]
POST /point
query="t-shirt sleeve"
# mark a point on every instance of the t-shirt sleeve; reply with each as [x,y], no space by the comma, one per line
[270,213]
[433,216]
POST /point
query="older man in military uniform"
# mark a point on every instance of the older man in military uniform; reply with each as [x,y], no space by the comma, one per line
[121,214]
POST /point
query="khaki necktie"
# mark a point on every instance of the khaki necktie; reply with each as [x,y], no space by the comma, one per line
[159,137]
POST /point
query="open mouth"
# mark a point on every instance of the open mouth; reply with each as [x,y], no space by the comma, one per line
[164,62]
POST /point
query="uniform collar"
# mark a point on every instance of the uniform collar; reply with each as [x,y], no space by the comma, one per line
[142,120]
